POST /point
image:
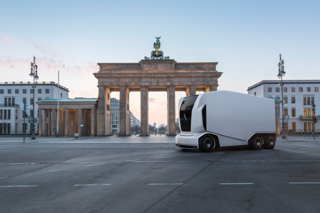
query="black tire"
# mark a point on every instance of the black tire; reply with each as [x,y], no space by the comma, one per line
[207,143]
[256,142]
[269,142]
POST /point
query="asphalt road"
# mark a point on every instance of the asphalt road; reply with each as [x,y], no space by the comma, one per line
[147,177]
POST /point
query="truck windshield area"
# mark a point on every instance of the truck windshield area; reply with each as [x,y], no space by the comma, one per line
[186,112]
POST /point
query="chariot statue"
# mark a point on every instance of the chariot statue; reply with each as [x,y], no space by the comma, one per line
[156,45]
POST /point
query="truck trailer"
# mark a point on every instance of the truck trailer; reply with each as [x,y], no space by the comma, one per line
[224,118]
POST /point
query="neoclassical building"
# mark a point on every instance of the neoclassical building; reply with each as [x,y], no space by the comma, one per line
[155,73]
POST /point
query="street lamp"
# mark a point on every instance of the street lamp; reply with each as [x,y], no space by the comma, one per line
[280,74]
[34,74]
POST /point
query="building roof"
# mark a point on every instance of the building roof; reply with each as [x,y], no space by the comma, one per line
[30,83]
[69,100]
[284,82]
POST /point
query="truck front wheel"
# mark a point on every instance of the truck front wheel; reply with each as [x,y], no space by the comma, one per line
[256,142]
[269,142]
[206,144]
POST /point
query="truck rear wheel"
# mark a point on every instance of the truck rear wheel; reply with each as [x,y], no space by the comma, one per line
[256,142]
[206,143]
[269,142]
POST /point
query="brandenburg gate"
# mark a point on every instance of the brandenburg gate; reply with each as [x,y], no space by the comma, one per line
[155,73]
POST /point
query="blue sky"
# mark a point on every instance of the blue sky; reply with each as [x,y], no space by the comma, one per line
[244,37]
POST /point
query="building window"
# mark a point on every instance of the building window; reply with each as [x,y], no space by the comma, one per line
[9,114]
[278,97]
[269,89]
[39,91]
[31,101]
[293,89]
[316,89]
[285,89]
[255,93]
[285,112]
[1,114]
[47,91]
[31,91]
[312,100]
[300,89]
[9,91]
[13,101]
[293,126]
[39,99]
[31,113]
[24,100]
[308,89]
[293,99]
[24,91]
[5,102]
[17,91]
[4,114]
[293,112]
[285,100]
[9,101]
[277,89]
[61,95]
[1,91]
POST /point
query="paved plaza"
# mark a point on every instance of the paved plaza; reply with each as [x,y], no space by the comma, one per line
[150,174]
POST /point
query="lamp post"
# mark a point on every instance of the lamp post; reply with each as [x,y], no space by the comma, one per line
[34,74]
[280,74]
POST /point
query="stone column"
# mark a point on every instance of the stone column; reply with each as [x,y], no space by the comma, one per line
[128,113]
[108,113]
[45,121]
[79,121]
[277,108]
[123,108]
[144,112]
[40,123]
[53,121]
[49,123]
[192,90]
[101,112]
[187,91]
[66,123]
[171,117]
[93,121]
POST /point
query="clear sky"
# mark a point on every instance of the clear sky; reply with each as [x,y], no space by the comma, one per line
[244,37]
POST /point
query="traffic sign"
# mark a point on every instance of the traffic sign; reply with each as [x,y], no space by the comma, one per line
[286,117]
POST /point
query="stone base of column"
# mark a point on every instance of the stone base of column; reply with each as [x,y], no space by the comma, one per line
[171,135]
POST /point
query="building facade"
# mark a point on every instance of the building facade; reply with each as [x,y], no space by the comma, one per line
[298,97]
[13,94]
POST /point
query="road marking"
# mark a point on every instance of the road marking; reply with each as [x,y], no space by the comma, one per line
[104,184]
[224,184]
[17,186]
[50,171]
[96,164]
[165,184]
[303,183]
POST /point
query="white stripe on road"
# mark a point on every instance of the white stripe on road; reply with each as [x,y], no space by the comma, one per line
[17,186]
[303,183]
[224,184]
[104,184]
[96,164]
[165,184]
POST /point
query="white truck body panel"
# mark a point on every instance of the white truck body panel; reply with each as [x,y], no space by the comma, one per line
[233,117]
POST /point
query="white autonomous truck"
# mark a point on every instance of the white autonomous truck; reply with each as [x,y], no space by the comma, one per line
[223,118]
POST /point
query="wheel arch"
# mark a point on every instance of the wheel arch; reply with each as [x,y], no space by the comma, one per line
[213,136]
